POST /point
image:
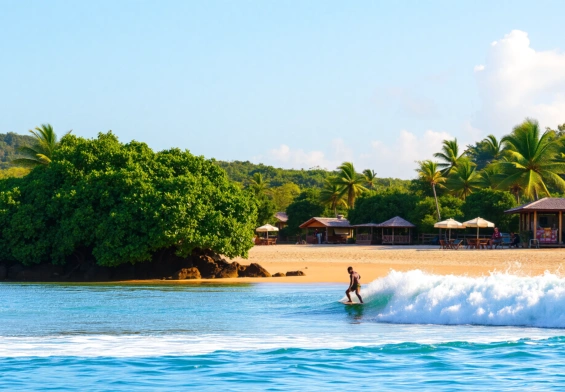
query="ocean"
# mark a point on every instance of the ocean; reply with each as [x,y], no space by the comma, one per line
[416,331]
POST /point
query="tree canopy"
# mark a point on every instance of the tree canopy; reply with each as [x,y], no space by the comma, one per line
[121,203]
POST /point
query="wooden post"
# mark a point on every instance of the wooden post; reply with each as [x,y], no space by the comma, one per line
[393,235]
[327,234]
[535,228]
[559,237]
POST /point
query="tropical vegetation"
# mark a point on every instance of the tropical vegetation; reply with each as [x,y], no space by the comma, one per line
[121,203]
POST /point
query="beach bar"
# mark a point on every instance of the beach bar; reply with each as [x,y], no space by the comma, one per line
[396,231]
[334,230]
[543,219]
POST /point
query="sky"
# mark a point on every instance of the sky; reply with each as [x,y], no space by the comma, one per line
[293,84]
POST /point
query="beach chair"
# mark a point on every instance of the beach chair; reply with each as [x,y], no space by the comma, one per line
[457,244]
[443,244]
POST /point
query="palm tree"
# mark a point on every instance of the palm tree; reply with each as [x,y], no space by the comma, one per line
[490,177]
[429,172]
[449,155]
[41,151]
[332,195]
[370,179]
[258,183]
[531,161]
[493,148]
[463,179]
[350,182]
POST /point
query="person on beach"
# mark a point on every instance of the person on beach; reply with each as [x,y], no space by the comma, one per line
[496,237]
[515,240]
[354,284]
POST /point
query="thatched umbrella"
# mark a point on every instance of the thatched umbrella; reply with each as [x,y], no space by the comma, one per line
[266,228]
[478,223]
[449,224]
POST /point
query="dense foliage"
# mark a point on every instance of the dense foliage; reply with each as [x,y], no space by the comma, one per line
[121,203]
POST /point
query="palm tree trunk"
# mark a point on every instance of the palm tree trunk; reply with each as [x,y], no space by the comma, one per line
[536,196]
[437,204]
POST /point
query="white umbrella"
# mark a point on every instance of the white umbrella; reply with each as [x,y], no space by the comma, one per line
[266,228]
[478,222]
[449,224]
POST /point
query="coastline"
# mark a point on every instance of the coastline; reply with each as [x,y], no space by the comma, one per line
[328,263]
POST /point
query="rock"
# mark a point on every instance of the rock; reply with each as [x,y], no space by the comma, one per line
[279,275]
[295,273]
[229,271]
[254,270]
[187,273]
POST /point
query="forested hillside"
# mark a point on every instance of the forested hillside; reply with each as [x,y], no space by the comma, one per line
[243,172]
[9,144]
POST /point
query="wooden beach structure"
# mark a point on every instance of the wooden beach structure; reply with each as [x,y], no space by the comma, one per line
[334,230]
[543,218]
[282,220]
[367,234]
[396,231]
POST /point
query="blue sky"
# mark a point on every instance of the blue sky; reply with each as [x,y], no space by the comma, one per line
[287,83]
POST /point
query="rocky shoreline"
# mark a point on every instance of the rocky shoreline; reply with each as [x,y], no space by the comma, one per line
[165,265]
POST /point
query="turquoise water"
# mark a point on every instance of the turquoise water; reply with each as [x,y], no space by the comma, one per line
[417,331]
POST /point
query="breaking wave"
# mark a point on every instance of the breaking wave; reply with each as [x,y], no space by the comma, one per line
[501,299]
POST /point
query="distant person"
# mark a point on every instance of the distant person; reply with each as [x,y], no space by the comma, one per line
[354,284]
[496,237]
[515,240]
[318,236]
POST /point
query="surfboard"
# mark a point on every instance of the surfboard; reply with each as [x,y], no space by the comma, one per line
[351,303]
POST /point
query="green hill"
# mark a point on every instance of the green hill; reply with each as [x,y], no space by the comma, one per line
[9,144]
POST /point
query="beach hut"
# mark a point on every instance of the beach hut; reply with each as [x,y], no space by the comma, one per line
[334,230]
[282,219]
[365,234]
[396,231]
[543,218]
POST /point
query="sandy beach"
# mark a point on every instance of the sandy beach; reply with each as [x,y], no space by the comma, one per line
[328,263]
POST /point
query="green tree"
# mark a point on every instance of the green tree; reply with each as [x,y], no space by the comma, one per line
[463,179]
[428,171]
[258,184]
[350,183]
[284,195]
[120,203]
[40,152]
[379,207]
[531,162]
[490,204]
[370,179]
[423,214]
[332,196]
[306,206]
[488,150]
[449,155]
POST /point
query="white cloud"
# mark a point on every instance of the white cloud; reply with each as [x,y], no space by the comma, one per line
[289,158]
[479,68]
[518,82]
[395,159]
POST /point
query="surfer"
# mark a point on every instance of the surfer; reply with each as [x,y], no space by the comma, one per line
[354,284]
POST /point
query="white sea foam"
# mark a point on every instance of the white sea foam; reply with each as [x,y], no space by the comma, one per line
[498,299]
[129,346]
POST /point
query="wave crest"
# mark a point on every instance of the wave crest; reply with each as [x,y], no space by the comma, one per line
[416,297]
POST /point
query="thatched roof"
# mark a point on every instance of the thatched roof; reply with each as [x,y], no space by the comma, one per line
[545,204]
[396,222]
[327,222]
[281,216]
[367,225]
